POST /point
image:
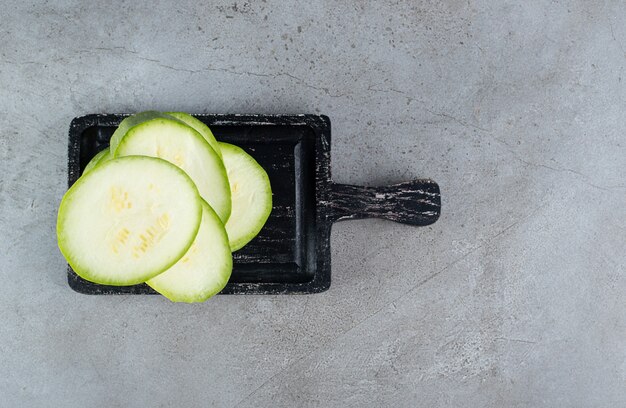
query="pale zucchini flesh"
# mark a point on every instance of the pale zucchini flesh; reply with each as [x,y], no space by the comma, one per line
[181,145]
[128,220]
[204,270]
[130,122]
[251,195]
[200,127]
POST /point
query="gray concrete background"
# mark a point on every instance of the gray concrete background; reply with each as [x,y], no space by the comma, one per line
[514,298]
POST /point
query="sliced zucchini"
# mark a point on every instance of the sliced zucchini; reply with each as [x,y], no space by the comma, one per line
[204,270]
[119,224]
[251,195]
[102,156]
[181,145]
[200,127]
[129,122]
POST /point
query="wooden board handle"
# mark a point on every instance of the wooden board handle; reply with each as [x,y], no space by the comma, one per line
[416,202]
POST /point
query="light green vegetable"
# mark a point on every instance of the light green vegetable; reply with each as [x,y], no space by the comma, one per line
[181,145]
[200,127]
[251,195]
[119,224]
[128,123]
[204,270]
[166,204]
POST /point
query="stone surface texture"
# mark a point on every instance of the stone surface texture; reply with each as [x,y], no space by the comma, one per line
[516,297]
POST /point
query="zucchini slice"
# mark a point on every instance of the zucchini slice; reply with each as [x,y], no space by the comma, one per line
[128,220]
[204,270]
[200,127]
[181,145]
[251,195]
[130,122]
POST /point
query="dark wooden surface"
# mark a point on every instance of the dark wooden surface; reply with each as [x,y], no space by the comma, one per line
[291,254]
[414,202]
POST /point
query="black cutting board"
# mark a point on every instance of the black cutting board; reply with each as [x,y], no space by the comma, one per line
[291,254]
